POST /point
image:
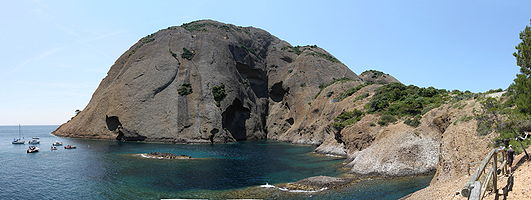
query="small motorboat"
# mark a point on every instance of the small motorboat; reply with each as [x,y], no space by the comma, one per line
[18,141]
[57,143]
[32,149]
[34,141]
[70,147]
[53,148]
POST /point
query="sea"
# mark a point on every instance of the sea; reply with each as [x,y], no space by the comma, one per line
[103,169]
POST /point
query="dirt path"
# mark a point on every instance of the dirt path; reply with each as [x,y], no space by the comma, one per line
[522,182]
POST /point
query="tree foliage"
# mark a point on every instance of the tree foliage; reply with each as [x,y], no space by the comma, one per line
[521,88]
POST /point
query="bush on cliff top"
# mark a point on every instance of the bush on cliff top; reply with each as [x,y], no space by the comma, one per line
[401,100]
[347,118]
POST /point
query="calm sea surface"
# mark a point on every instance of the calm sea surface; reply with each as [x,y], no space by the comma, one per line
[108,170]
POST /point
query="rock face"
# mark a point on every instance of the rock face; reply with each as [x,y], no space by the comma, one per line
[373,76]
[209,82]
[205,82]
[398,155]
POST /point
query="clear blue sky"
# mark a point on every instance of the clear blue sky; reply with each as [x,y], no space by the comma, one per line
[55,53]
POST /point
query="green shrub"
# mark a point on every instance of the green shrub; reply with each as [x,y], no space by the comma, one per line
[361,96]
[219,94]
[323,55]
[187,54]
[185,89]
[494,91]
[290,70]
[464,118]
[398,99]
[323,86]
[414,121]
[330,93]
[296,49]
[194,26]
[375,73]
[249,50]
[487,119]
[347,118]
[147,39]
[386,119]
[350,91]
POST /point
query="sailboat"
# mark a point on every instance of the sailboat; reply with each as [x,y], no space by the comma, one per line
[18,140]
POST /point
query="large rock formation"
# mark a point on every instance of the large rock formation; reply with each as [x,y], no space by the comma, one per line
[212,82]
[205,82]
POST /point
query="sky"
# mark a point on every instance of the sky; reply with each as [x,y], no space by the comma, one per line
[55,53]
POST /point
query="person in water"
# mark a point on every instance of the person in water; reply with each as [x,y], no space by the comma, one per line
[510,158]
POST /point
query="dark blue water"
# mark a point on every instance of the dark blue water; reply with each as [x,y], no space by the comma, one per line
[109,170]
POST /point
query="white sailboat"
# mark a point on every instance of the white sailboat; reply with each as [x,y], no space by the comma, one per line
[18,140]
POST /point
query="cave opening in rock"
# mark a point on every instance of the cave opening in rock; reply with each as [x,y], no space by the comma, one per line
[113,122]
[290,121]
[277,92]
[114,125]
[256,77]
[234,118]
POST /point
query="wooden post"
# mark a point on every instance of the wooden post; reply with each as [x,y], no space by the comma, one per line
[495,174]
[521,145]
[505,161]
[475,193]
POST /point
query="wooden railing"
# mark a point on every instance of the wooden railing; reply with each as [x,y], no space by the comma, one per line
[481,181]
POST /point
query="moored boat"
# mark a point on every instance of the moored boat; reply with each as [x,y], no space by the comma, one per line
[34,141]
[53,148]
[57,143]
[32,149]
[70,147]
[18,140]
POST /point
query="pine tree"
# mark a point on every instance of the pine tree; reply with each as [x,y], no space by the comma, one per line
[522,84]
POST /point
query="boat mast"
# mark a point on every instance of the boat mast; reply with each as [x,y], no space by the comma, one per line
[19,131]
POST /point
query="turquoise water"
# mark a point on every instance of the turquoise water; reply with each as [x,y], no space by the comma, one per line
[109,170]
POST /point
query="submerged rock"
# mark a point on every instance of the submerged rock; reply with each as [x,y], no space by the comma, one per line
[323,181]
[171,156]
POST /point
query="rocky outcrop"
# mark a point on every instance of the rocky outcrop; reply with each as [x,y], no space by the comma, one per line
[205,81]
[373,76]
[317,183]
[400,154]
[169,156]
[209,82]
